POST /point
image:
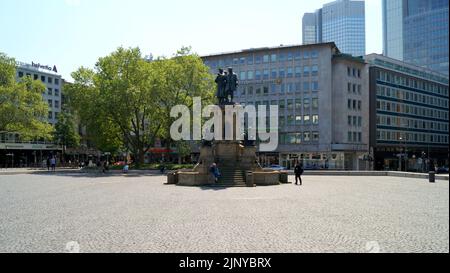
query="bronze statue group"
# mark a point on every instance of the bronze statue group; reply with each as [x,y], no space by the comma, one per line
[227,83]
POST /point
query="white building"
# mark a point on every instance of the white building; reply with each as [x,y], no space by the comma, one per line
[52,80]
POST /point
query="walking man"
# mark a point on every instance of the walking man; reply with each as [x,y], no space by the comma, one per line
[53,163]
[298,174]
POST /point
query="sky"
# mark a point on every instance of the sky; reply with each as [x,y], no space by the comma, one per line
[75,33]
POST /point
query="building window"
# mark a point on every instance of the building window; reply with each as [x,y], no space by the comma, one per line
[349,139]
[315,70]
[359,105]
[306,55]
[349,72]
[306,71]
[35,77]
[266,58]
[315,103]
[258,59]
[57,92]
[50,91]
[20,74]
[315,136]
[50,80]
[307,119]
[298,71]
[290,72]
[315,86]
[274,74]
[281,73]
[250,60]
[250,75]
[50,103]
[50,115]
[298,104]
[306,86]
[273,58]
[43,79]
[266,74]
[307,136]
[57,104]
[349,104]
[257,75]
[315,119]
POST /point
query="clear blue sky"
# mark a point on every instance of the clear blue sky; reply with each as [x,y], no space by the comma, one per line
[74,33]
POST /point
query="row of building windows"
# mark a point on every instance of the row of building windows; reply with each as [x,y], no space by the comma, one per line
[53,114]
[54,104]
[411,96]
[355,121]
[298,120]
[405,137]
[354,88]
[44,79]
[298,138]
[279,73]
[353,72]
[401,108]
[264,59]
[246,90]
[412,83]
[354,137]
[355,105]
[410,123]
[290,104]
[50,92]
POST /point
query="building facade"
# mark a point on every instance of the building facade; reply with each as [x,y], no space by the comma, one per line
[416,31]
[53,82]
[322,97]
[409,115]
[342,22]
[17,153]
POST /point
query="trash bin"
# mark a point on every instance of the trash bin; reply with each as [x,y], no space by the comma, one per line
[172,178]
[249,180]
[284,178]
[432,177]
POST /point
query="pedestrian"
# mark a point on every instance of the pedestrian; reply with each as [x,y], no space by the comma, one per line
[298,174]
[162,167]
[215,172]
[53,163]
[126,168]
[48,163]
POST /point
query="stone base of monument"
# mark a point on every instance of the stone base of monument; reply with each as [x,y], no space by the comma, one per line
[237,164]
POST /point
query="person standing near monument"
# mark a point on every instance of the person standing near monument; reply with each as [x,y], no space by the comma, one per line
[215,172]
[298,173]
[232,84]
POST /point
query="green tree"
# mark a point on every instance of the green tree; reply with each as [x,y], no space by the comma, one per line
[22,108]
[65,133]
[126,101]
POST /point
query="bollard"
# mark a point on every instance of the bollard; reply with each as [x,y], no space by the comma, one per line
[432,177]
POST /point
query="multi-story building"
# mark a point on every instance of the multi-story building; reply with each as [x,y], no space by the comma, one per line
[311,28]
[409,115]
[53,82]
[416,31]
[13,150]
[322,97]
[342,22]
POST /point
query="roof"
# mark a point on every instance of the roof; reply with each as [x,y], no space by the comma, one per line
[330,44]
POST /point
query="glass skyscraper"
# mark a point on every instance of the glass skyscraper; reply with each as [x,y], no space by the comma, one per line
[342,22]
[416,31]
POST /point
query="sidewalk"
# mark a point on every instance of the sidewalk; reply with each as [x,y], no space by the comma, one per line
[17,171]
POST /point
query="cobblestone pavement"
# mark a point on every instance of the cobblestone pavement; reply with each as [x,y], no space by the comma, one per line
[42,213]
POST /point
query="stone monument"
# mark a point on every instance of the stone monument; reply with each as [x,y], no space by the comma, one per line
[236,159]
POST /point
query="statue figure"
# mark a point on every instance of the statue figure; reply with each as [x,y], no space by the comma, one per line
[221,81]
[232,84]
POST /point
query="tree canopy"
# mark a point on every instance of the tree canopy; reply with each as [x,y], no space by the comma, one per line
[22,108]
[125,101]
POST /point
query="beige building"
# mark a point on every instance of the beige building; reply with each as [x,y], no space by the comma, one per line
[322,96]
